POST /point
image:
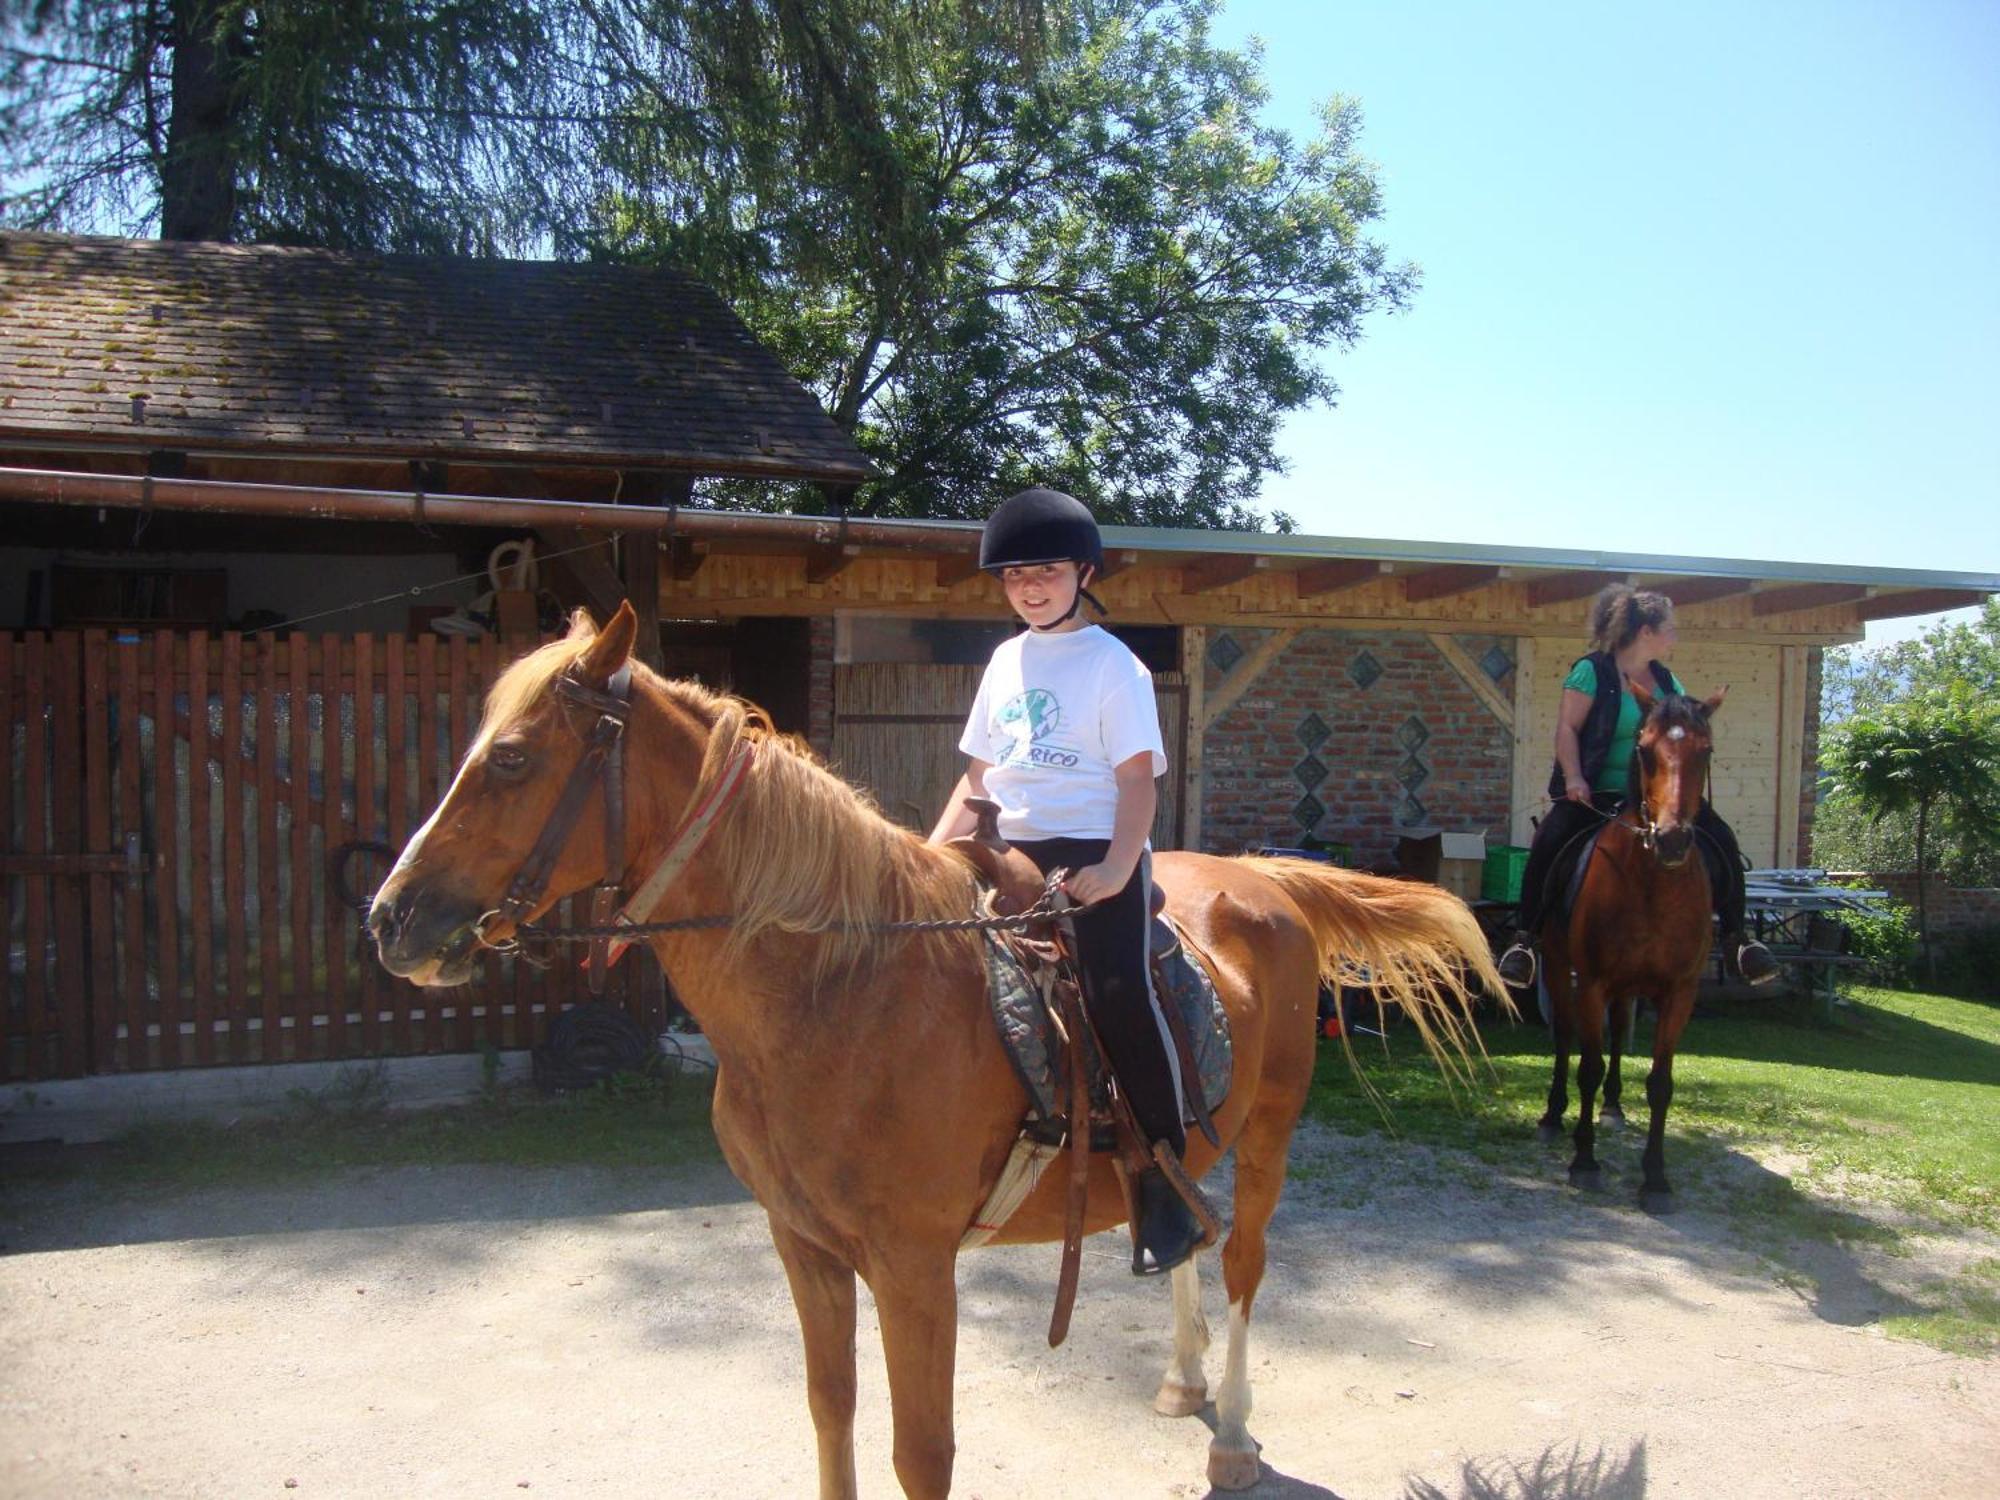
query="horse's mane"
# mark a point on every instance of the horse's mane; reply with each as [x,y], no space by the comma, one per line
[799,850]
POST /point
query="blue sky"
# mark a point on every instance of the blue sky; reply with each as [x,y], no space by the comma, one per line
[1706,279]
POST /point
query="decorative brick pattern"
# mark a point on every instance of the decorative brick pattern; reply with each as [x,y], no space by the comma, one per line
[1223,652]
[1414,709]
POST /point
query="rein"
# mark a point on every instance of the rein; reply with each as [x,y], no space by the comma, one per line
[613,927]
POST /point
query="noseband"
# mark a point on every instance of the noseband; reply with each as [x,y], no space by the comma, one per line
[604,757]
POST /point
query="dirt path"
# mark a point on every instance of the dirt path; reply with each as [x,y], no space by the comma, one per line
[477,1332]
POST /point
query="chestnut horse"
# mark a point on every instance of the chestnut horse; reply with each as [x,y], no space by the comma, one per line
[862,1093]
[1639,930]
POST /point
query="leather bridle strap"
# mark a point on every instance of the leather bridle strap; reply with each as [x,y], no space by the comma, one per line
[603,756]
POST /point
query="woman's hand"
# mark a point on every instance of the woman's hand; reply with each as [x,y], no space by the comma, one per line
[1096,883]
[1577,790]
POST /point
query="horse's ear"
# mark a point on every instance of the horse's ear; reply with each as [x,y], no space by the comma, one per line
[611,647]
[1714,701]
[1640,694]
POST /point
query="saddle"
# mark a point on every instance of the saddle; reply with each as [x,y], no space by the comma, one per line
[1076,1105]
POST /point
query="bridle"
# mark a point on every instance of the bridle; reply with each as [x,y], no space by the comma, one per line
[1648,827]
[603,761]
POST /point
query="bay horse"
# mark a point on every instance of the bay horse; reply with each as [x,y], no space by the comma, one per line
[1639,929]
[862,1093]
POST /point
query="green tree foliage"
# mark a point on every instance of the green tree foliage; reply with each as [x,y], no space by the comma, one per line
[1044,241]
[1852,836]
[1934,755]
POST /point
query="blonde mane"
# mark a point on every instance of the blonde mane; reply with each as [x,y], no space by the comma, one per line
[799,850]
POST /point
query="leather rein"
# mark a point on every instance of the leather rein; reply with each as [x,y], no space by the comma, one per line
[603,763]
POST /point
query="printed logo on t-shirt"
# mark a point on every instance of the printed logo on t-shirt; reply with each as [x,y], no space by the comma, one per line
[1026,719]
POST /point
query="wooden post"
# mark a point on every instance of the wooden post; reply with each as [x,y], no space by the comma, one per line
[1527,763]
[1194,663]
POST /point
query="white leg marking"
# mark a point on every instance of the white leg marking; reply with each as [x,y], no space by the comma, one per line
[1184,1389]
[1232,1402]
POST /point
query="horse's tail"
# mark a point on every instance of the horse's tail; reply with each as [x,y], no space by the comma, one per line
[1414,945]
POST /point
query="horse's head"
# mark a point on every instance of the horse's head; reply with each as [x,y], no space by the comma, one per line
[1670,768]
[457,870]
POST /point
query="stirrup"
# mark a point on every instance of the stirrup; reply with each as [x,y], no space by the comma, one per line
[1760,958]
[1527,958]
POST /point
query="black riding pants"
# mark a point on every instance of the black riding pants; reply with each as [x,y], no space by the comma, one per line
[1112,952]
[1566,821]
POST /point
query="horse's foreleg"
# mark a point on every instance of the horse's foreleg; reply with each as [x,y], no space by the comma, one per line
[918,1302]
[823,1292]
[1584,1171]
[1655,1195]
[1617,1023]
[1562,1011]
[1184,1388]
[1260,1177]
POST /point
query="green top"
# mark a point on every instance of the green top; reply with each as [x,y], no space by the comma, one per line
[1616,772]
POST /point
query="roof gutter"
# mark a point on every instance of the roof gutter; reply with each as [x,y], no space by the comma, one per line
[324,503]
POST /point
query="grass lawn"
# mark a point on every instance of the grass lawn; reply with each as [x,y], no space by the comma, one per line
[1876,1130]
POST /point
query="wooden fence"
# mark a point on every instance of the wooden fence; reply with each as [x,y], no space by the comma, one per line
[167,807]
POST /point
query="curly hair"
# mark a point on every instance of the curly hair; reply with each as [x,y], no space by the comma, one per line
[1620,612]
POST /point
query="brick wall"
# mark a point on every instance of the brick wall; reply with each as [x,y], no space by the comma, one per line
[1354,737]
[1953,909]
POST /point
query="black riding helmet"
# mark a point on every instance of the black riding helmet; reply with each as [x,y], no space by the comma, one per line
[1040,526]
[1043,526]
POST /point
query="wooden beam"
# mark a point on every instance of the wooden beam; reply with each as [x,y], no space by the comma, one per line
[1117,560]
[1443,582]
[586,555]
[1686,591]
[683,557]
[1331,577]
[954,569]
[1246,672]
[1474,677]
[1194,653]
[1782,601]
[639,571]
[1560,588]
[829,560]
[1220,570]
[1529,766]
[1890,606]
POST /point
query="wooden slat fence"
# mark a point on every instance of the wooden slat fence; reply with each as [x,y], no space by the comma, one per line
[167,806]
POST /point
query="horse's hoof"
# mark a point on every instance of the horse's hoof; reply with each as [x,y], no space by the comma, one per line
[1177,1400]
[1545,1132]
[1232,1471]
[1611,1117]
[1589,1179]
[1658,1200]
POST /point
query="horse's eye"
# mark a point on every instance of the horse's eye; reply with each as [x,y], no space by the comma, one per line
[507,760]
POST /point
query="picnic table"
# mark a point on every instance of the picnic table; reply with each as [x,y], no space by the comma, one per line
[1795,913]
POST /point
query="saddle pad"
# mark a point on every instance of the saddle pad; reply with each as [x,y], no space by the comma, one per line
[1570,869]
[1021,1013]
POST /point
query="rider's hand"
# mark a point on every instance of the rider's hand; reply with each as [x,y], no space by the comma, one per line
[1096,883]
[1577,791]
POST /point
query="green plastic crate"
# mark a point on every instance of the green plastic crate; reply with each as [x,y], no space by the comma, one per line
[1500,879]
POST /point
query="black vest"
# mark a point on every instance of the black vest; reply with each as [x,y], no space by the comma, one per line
[1594,739]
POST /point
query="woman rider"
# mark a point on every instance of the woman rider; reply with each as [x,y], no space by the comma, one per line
[1632,635]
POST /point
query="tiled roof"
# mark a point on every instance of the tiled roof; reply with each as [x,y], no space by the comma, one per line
[289,351]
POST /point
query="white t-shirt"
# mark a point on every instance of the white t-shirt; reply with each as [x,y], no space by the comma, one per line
[1055,716]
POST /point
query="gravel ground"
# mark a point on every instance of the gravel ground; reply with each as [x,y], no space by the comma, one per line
[479,1331]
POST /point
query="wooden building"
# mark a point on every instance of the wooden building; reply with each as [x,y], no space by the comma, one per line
[190,434]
